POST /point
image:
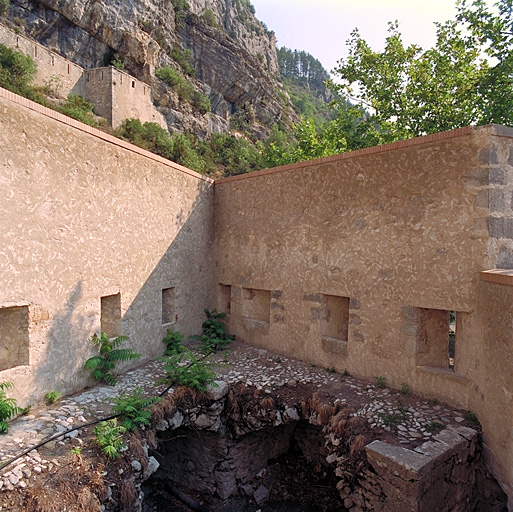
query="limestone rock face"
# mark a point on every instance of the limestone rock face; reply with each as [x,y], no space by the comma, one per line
[232,52]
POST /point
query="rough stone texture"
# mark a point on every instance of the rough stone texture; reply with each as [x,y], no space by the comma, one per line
[83,219]
[437,474]
[433,219]
[440,474]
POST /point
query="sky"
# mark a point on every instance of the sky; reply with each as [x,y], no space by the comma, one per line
[322,27]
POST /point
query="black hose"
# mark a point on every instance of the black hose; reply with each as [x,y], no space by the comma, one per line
[60,434]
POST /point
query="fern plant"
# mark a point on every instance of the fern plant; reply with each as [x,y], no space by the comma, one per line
[134,409]
[173,341]
[51,397]
[8,407]
[185,369]
[103,364]
[215,336]
[109,437]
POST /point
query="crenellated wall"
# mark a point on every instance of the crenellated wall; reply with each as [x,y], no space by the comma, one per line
[357,261]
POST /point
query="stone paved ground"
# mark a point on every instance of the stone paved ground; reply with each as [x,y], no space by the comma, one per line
[396,416]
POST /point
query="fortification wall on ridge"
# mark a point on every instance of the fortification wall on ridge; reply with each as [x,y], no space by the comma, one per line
[116,94]
[60,74]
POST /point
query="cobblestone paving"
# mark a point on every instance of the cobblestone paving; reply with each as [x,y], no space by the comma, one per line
[268,372]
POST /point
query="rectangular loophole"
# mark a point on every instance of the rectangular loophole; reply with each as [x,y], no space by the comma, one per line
[435,336]
[452,338]
[224,299]
[335,317]
[14,337]
[168,306]
[256,304]
[110,315]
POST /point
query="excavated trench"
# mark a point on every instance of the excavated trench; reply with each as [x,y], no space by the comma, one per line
[280,468]
[242,450]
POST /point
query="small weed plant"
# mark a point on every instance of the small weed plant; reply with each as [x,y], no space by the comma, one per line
[390,419]
[471,419]
[118,64]
[8,407]
[51,397]
[174,342]
[109,437]
[76,452]
[134,409]
[214,337]
[185,369]
[381,382]
[405,389]
[103,364]
[434,426]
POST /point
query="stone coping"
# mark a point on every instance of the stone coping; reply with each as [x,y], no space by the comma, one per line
[57,116]
[425,139]
[498,276]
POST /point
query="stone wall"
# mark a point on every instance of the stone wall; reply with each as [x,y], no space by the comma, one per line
[115,94]
[353,262]
[356,262]
[238,440]
[94,234]
[118,96]
[60,74]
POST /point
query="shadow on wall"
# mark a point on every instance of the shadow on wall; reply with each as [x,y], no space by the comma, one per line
[156,289]
[66,345]
[180,286]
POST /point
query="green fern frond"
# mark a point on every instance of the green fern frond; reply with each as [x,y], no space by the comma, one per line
[120,339]
[94,362]
[123,354]
[110,379]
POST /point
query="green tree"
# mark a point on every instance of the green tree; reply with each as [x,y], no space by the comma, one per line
[17,71]
[409,91]
[493,29]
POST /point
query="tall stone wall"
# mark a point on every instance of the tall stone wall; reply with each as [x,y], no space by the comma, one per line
[116,95]
[95,234]
[361,261]
[358,262]
[60,74]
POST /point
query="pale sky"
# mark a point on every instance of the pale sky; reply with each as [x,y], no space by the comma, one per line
[322,27]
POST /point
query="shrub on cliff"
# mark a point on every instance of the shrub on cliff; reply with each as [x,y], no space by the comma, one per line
[78,108]
[17,71]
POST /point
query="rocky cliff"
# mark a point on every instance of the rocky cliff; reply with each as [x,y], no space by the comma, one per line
[218,46]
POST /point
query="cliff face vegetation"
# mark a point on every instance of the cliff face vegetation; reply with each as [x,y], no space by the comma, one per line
[218,47]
